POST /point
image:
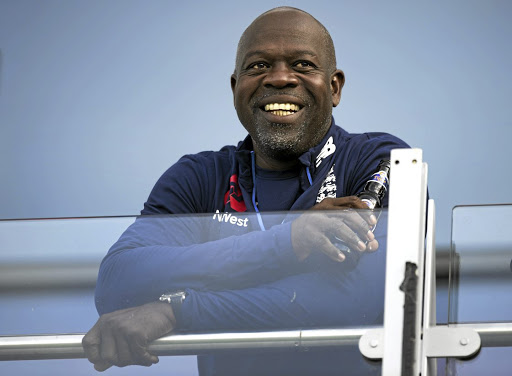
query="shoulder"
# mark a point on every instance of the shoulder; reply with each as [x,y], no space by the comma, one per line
[361,146]
[369,140]
[382,139]
[203,165]
[189,184]
[359,154]
[199,161]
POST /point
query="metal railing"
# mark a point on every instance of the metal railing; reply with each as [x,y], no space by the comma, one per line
[68,346]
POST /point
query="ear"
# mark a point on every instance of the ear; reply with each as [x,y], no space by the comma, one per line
[337,82]
[233,85]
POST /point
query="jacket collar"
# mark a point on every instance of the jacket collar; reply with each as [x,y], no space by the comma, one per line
[318,159]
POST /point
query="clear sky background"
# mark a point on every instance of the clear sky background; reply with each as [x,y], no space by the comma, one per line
[99,98]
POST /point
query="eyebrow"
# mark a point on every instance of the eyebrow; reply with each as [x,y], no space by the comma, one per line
[264,52]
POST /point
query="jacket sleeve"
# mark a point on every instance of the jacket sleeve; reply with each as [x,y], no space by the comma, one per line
[161,254]
[322,298]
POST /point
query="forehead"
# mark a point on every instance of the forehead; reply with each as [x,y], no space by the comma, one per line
[283,31]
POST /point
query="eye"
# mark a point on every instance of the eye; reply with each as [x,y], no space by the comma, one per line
[304,65]
[258,66]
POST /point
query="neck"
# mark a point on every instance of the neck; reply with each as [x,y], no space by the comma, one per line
[268,163]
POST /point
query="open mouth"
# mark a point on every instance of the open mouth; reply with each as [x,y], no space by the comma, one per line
[282,109]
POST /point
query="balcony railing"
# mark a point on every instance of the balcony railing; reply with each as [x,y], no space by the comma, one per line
[69,346]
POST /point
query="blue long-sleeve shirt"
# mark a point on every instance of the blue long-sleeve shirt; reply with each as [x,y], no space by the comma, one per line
[237,276]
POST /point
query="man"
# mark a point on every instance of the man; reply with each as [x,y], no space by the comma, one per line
[284,273]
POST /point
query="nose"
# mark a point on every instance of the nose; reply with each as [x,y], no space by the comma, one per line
[280,76]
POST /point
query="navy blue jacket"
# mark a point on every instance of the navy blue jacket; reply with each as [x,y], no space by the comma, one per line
[252,281]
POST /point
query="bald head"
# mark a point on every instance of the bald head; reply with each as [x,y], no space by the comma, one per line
[301,19]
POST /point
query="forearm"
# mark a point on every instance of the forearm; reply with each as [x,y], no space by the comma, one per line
[316,299]
[134,273]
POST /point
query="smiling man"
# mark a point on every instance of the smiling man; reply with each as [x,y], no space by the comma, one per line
[273,274]
[285,85]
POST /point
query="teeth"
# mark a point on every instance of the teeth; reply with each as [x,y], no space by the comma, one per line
[281,112]
[287,107]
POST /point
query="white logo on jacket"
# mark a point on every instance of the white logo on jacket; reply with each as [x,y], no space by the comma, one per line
[327,150]
[230,218]
[328,188]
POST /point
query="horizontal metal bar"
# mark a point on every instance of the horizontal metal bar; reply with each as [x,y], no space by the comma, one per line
[47,276]
[65,346]
[69,346]
[491,334]
[69,275]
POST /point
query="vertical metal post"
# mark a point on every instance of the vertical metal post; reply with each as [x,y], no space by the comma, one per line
[428,365]
[406,235]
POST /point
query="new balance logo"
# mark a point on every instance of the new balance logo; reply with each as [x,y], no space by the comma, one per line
[230,218]
[327,150]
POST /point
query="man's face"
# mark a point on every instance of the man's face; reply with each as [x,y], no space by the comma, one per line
[284,85]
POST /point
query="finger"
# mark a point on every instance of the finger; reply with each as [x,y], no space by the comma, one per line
[358,224]
[326,227]
[139,350]
[108,348]
[369,216]
[102,366]
[373,245]
[348,236]
[365,214]
[314,235]
[91,344]
[144,358]
[124,355]
[330,250]
[349,202]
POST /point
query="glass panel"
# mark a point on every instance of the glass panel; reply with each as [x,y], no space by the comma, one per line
[481,261]
[238,278]
[480,280]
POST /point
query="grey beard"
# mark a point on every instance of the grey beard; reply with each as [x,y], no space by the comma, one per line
[277,145]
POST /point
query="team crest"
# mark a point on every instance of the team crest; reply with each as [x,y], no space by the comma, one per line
[234,197]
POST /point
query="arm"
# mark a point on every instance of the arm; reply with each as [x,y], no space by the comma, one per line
[158,254]
[163,254]
[322,298]
[329,296]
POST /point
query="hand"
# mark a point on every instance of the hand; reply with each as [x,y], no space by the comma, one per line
[121,338]
[315,231]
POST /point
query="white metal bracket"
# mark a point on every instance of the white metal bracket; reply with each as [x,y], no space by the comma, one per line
[371,344]
[438,342]
[446,342]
